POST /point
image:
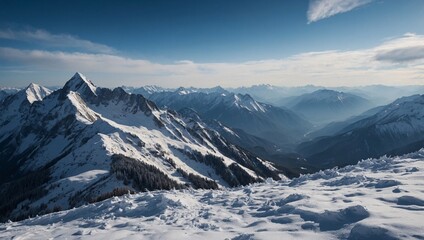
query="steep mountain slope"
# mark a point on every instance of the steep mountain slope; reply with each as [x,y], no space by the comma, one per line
[82,143]
[278,125]
[15,106]
[289,163]
[324,105]
[335,127]
[379,199]
[394,127]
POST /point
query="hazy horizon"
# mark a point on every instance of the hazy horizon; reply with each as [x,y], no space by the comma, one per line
[95,82]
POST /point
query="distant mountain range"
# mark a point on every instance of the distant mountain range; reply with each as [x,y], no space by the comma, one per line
[396,128]
[83,143]
[280,96]
[376,94]
[332,112]
[278,125]
[324,106]
[274,94]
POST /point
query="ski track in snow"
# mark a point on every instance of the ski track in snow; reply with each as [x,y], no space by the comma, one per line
[375,199]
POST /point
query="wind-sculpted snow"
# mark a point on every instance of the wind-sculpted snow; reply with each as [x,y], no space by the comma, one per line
[375,199]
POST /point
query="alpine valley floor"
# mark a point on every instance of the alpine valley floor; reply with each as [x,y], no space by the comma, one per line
[375,199]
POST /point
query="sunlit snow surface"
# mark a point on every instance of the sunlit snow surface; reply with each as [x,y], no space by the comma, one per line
[376,199]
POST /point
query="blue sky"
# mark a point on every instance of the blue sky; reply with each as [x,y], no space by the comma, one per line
[209,43]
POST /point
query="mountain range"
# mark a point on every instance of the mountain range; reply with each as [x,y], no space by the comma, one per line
[396,128]
[82,143]
[376,94]
[324,106]
[278,125]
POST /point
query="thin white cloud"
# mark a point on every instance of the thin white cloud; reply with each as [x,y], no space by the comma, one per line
[43,37]
[407,49]
[320,9]
[329,68]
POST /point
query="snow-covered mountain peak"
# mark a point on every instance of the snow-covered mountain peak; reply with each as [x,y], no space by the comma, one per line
[81,84]
[80,76]
[263,86]
[183,91]
[153,88]
[35,92]
[247,102]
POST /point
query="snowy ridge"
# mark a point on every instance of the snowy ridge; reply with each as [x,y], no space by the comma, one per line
[215,97]
[375,199]
[151,89]
[146,90]
[403,117]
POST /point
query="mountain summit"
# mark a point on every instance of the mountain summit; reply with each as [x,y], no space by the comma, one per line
[35,92]
[81,84]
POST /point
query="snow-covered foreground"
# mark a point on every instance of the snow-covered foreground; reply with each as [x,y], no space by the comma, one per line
[376,199]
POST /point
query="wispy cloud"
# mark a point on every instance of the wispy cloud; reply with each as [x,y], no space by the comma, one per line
[43,37]
[409,48]
[320,9]
[377,65]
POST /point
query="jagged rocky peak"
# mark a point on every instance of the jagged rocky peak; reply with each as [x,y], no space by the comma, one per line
[183,91]
[81,84]
[35,92]
[247,102]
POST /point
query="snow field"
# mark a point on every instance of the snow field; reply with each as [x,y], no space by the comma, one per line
[375,199]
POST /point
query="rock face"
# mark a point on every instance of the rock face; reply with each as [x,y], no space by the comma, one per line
[83,143]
